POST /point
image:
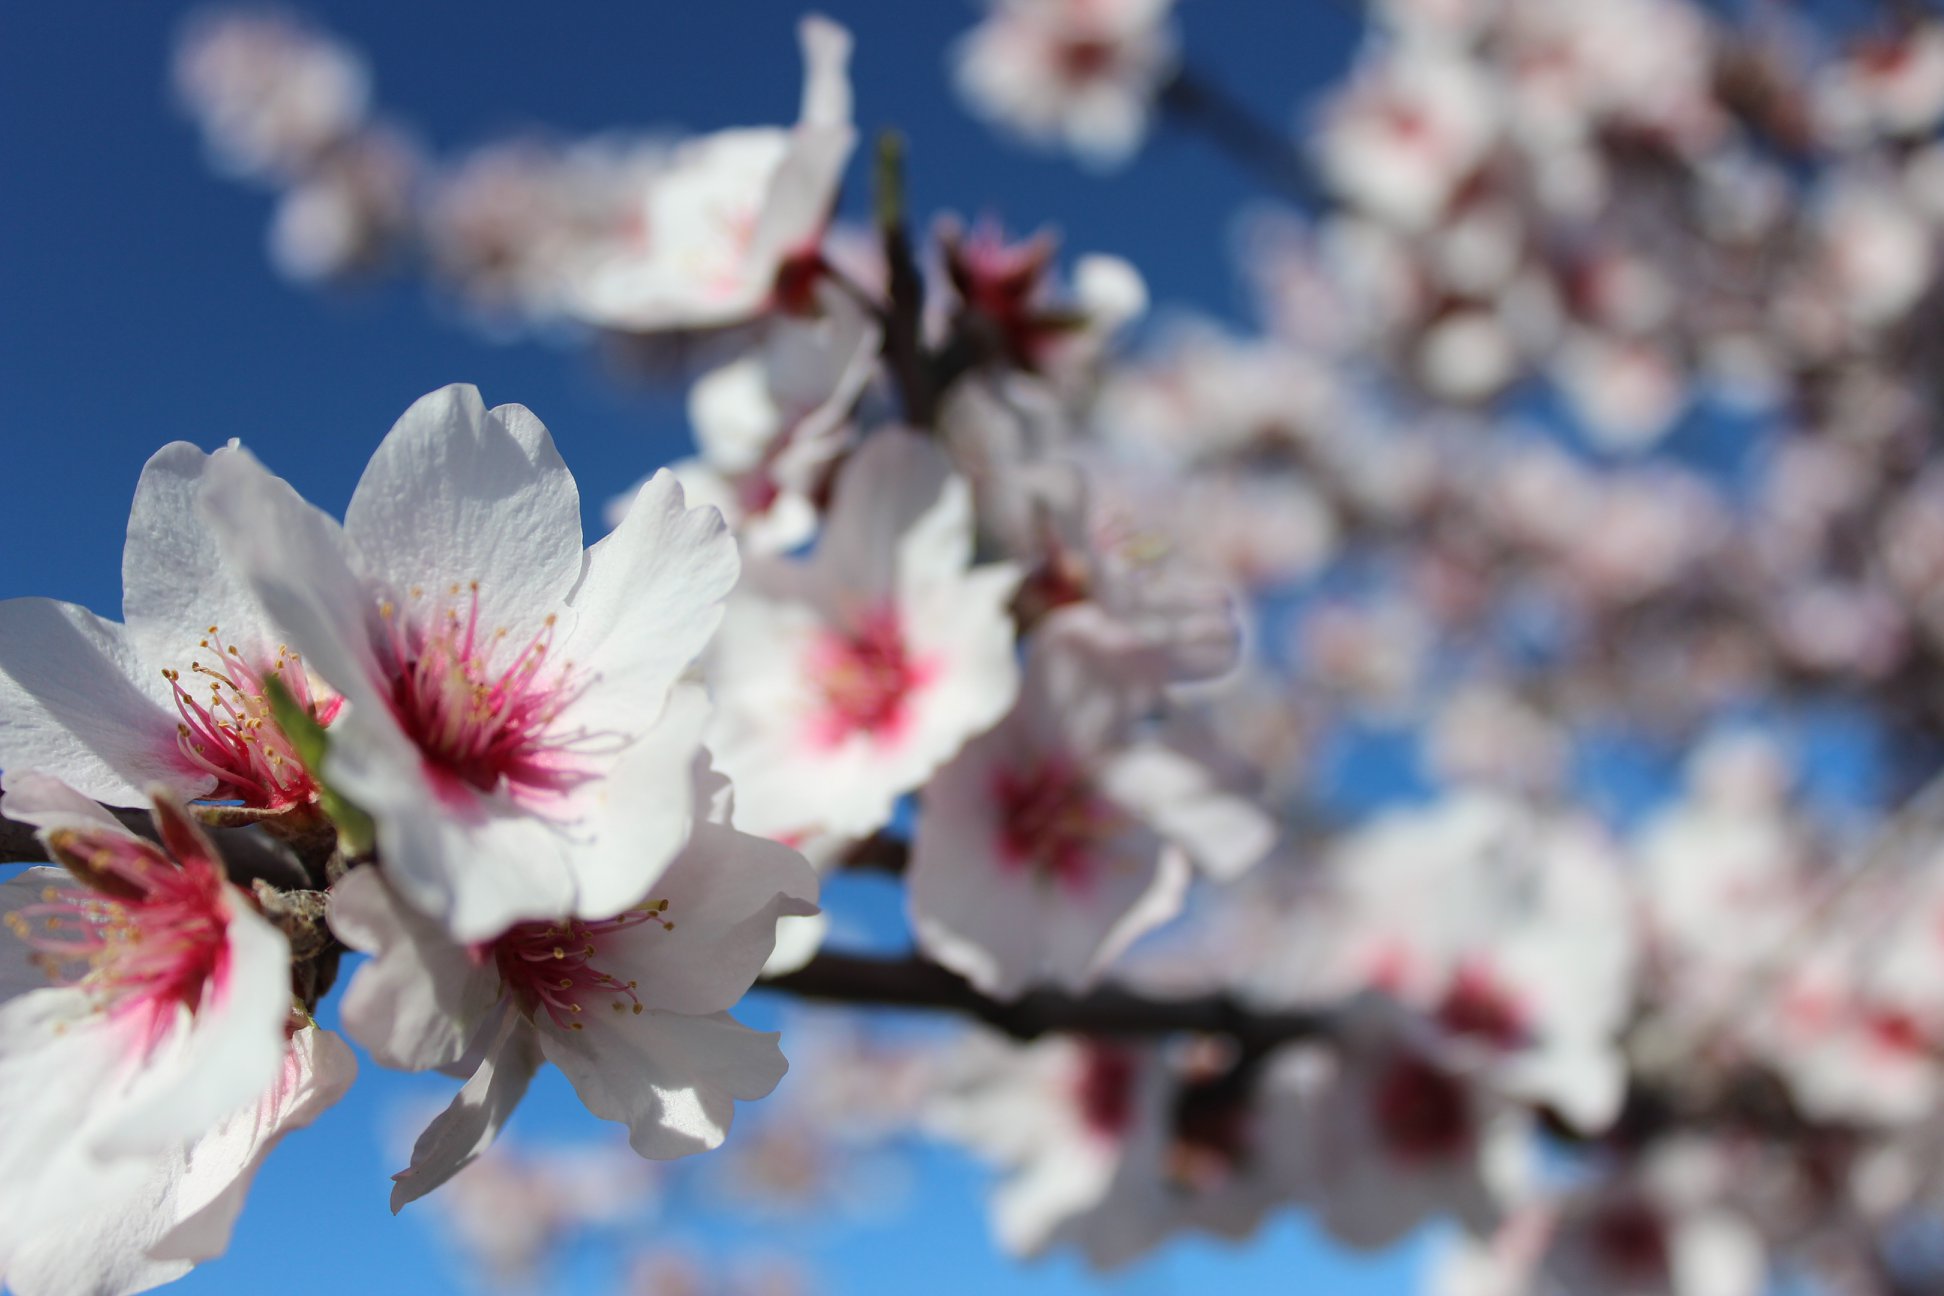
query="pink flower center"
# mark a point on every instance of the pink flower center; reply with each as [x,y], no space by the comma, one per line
[1421,1112]
[550,966]
[865,678]
[1082,60]
[1052,821]
[229,732]
[1104,1090]
[150,934]
[1480,1006]
[483,717]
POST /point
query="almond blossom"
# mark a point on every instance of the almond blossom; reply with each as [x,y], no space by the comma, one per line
[846,678]
[1111,1146]
[631,1006]
[146,1049]
[1398,1133]
[175,696]
[731,226]
[509,728]
[1079,74]
[1053,841]
[1498,926]
[771,426]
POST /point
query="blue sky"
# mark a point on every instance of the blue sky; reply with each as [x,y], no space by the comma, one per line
[137,307]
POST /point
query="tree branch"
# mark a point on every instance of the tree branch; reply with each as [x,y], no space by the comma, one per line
[1203,106]
[916,984]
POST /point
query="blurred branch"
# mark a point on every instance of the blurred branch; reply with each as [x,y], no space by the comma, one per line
[916,984]
[1257,146]
[903,333]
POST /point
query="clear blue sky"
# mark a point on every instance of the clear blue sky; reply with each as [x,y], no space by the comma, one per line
[137,307]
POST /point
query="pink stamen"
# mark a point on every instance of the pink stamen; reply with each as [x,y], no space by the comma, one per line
[477,725]
[549,967]
[151,933]
[230,733]
[1052,821]
[866,679]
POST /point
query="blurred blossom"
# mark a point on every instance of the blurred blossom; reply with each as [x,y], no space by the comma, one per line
[272,94]
[1075,74]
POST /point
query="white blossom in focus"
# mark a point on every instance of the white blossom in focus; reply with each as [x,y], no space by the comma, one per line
[145,1050]
[508,726]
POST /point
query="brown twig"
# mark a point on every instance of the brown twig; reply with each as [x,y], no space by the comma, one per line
[916,984]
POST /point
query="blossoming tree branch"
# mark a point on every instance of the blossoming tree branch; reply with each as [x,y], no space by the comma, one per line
[1062,625]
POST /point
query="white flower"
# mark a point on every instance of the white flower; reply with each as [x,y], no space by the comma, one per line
[632,1007]
[175,697]
[770,426]
[845,679]
[270,94]
[1050,843]
[1113,1146]
[1414,124]
[1503,927]
[510,729]
[1082,74]
[730,213]
[1396,1136]
[143,1056]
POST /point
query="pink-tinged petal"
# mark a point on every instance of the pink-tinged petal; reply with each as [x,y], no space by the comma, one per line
[32,796]
[1184,801]
[651,597]
[724,894]
[457,494]
[218,1058]
[673,1081]
[295,561]
[175,581]
[640,815]
[421,998]
[70,704]
[317,1071]
[468,1127]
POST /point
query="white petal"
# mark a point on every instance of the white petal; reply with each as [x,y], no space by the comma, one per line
[826,81]
[725,892]
[672,1080]
[456,493]
[421,998]
[318,1070]
[295,561]
[1224,831]
[40,799]
[650,600]
[468,1127]
[70,705]
[58,1060]
[175,583]
[898,511]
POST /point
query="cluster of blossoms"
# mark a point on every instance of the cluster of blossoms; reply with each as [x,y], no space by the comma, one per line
[1466,667]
